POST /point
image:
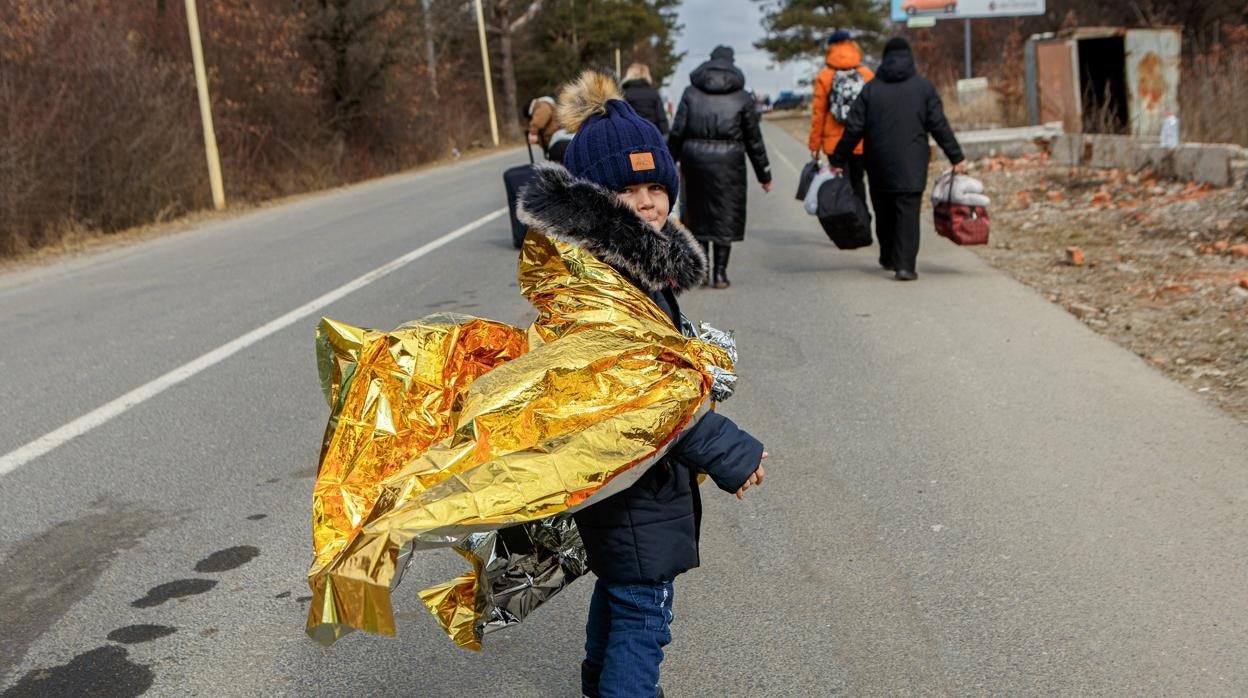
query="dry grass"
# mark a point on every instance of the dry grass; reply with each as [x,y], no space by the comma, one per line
[979,112]
[72,239]
[1213,93]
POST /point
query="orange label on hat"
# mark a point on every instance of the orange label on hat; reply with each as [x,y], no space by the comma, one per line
[641,161]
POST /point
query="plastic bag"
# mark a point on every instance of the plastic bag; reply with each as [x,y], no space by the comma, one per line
[811,203]
[809,170]
[966,190]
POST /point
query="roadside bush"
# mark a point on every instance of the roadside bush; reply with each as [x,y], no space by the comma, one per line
[69,153]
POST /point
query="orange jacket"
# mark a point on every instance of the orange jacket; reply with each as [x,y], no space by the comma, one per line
[825,131]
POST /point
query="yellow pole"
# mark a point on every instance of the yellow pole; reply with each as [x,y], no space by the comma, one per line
[489,83]
[205,108]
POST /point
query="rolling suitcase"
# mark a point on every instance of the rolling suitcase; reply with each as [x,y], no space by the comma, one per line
[514,178]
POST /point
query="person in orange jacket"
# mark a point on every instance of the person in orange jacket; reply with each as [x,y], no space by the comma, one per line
[833,97]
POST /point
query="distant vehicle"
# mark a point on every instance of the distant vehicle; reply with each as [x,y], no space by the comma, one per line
[790,100]
[913,7]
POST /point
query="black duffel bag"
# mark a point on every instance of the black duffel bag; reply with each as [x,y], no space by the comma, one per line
[843,215]
[808,175]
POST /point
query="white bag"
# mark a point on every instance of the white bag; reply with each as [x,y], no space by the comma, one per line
[967,191]
[811,203]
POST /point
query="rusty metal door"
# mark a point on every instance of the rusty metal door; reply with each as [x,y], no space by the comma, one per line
[1059,98]
[1152,78]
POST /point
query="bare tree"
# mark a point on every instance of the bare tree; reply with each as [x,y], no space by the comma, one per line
[506,27]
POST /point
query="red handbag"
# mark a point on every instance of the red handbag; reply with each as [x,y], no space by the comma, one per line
[965,225]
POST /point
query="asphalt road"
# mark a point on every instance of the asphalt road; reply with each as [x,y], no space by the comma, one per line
[969,492]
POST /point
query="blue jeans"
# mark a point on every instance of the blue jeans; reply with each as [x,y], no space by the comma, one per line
[624,639]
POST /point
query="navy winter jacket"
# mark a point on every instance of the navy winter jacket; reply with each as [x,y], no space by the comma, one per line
[647,533]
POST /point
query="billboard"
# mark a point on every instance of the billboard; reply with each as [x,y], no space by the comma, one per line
[964,9]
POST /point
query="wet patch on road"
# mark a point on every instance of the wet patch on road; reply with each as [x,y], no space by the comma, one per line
[228,559]
[173,590]
[103,671]
[134,634]
[48,573]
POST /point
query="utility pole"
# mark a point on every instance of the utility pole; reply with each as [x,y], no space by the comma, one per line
[618,75]
[966,45]
[485,63]
[205,108]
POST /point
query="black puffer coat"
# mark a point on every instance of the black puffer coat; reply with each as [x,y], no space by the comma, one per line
[649,532]
[714,129]
[646,101]
[893,116]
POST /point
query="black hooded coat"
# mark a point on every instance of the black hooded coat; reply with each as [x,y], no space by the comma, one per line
[893,115]
[649,532]
[715,127]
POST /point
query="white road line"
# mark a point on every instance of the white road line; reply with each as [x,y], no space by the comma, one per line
[15,459]
[788,163]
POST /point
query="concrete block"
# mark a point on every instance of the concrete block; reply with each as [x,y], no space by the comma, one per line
[1208,163]
[1204,162]
[1218,164]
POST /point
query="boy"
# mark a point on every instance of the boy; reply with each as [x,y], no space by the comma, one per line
[613,201]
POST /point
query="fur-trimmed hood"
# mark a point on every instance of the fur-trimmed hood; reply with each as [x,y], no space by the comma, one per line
[587,215]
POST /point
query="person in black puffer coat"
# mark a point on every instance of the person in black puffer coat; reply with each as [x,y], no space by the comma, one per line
[715,127]
[639,92]
[893,116]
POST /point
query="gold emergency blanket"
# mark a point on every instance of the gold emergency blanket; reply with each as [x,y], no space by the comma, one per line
[452,430]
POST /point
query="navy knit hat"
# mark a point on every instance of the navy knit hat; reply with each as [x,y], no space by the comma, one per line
[838,36]
[612,145]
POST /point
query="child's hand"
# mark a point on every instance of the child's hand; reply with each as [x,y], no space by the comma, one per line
[755,478]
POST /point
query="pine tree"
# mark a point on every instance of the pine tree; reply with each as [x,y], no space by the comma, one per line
[797,28]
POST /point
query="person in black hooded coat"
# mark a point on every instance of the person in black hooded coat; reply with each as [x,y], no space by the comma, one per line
[893,116]
[639,92]
[715,128]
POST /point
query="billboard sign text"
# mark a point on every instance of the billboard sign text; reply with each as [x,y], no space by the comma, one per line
[964,9]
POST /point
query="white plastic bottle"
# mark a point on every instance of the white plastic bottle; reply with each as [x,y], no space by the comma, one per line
[1170,131]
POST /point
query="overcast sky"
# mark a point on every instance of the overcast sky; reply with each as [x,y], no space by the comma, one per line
[735,23]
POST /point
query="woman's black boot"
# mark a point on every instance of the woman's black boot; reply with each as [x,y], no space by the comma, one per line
[720,280]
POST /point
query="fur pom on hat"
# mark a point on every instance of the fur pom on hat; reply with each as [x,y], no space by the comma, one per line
[584,97]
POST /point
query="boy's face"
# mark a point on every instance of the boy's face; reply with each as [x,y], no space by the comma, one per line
[648,200]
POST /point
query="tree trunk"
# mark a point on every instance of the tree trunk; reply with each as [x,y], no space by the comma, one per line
[511,107]
[510,110]
[431,55]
